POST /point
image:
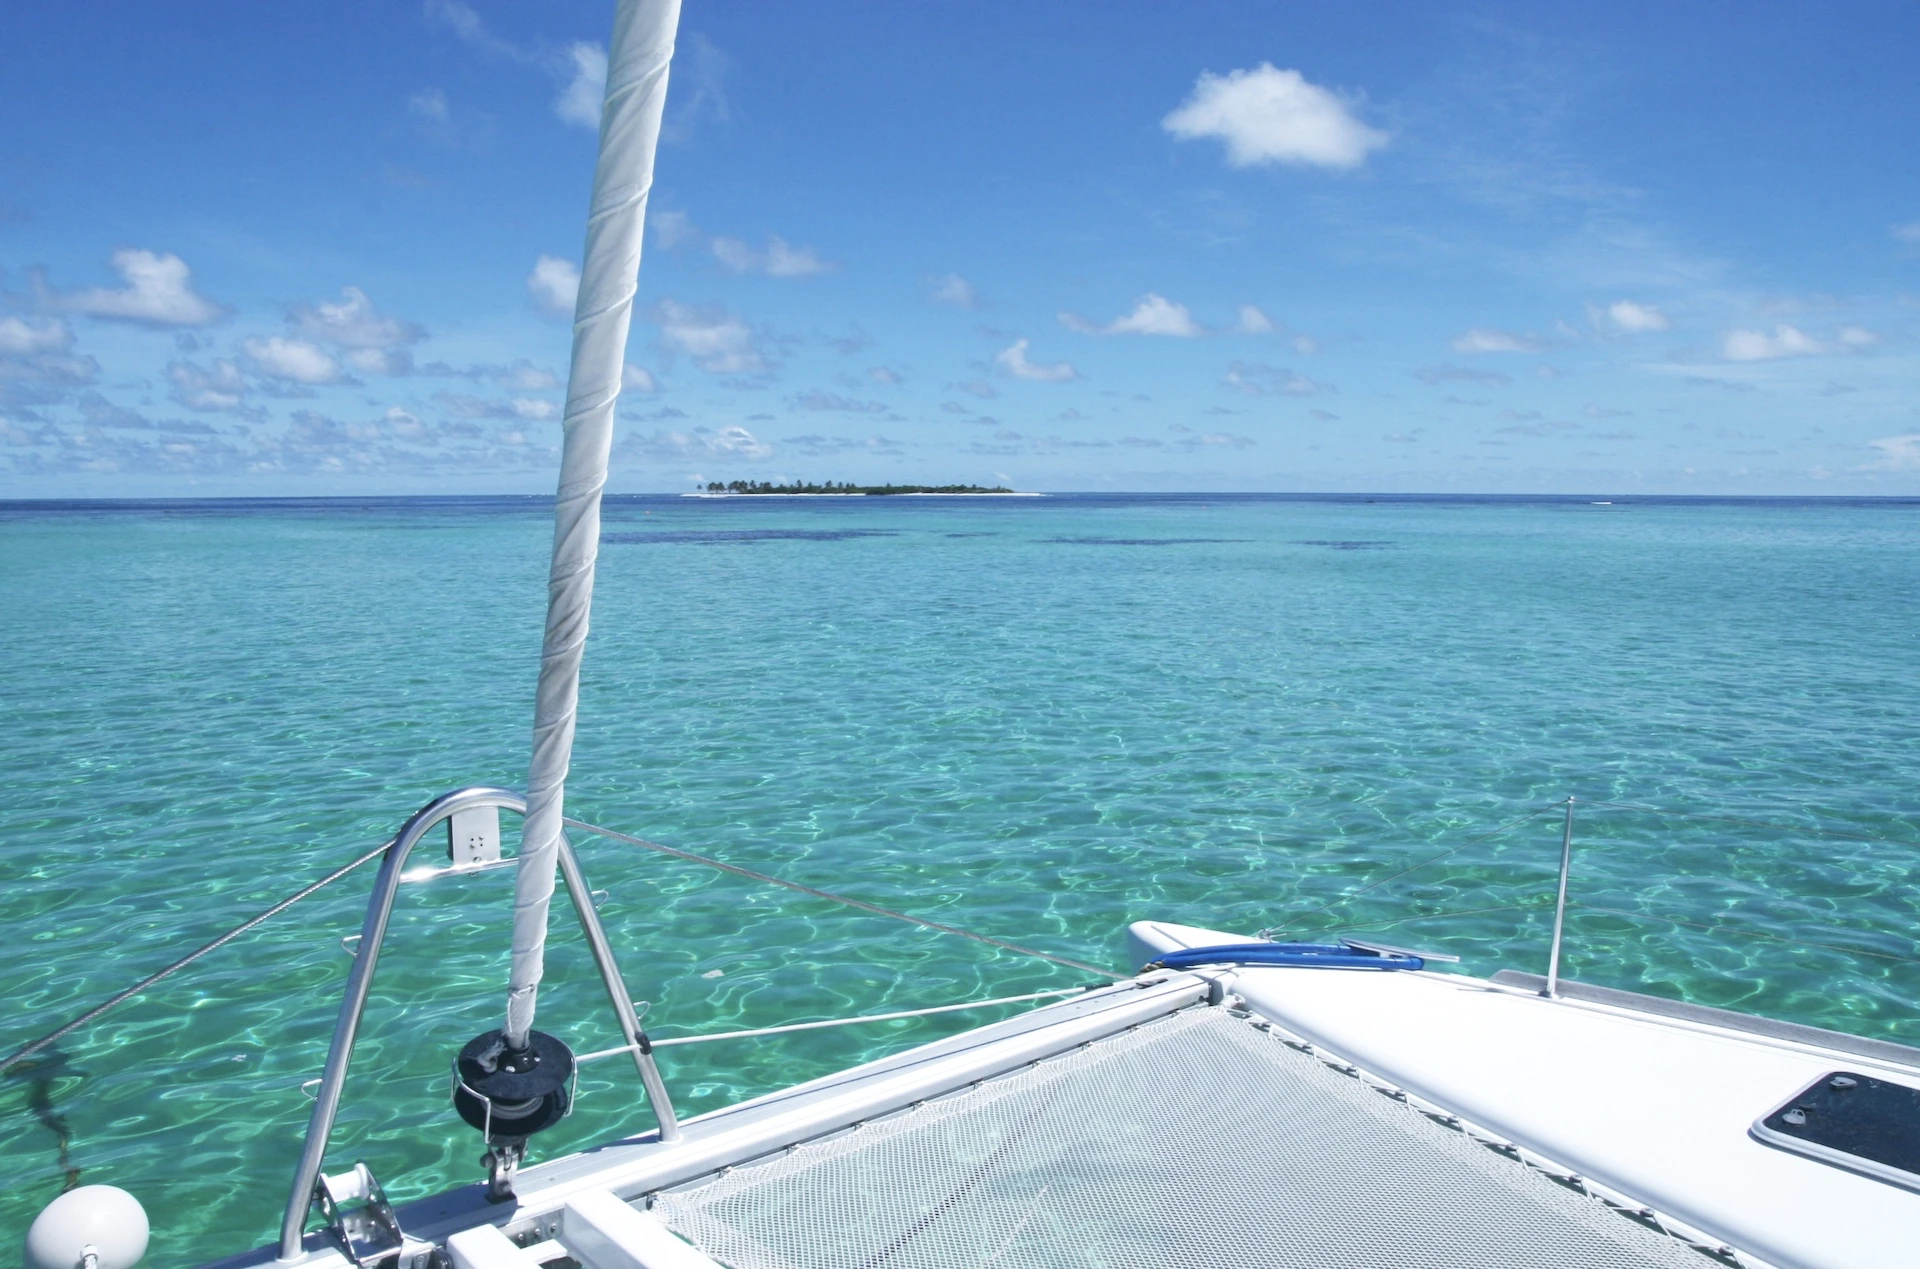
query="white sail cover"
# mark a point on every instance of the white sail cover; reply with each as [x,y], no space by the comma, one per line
[637,61]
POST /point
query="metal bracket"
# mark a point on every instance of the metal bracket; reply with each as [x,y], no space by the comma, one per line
[473,836]
[358,1215]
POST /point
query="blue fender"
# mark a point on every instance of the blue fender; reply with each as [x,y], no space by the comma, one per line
[1294,955]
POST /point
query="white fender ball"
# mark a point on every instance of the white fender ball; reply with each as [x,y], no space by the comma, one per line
[103,1217]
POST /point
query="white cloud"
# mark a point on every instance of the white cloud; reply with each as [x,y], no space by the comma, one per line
[352,323]
[533,409]
[20,338]
[292,359]
[882,374]
[429,104]
[1753,345]
[955,290]
[1909,232]
[524,376]
[672,228]
[1635,319]
[638,379]
[834,402]
[221,389]
[735,255]
[732,441]
[1901,453]
[580,100]
[554,285]
[1482,340]
[158,292]
[1857,337]
[1265,115]
[1153,315]
[784,261]
[1306,345]
[1252,321]
[1014,361]
[780,260]
[380,361]
[718,342]
[1257,379]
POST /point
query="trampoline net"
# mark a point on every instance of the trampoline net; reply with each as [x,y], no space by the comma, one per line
[1196,1141]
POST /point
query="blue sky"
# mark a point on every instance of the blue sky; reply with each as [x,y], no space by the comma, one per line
[277,249]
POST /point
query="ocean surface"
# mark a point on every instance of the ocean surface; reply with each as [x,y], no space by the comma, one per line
[1037,718]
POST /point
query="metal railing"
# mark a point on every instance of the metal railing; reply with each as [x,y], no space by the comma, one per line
[373,931]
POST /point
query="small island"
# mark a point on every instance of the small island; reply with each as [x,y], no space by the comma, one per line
[842,489]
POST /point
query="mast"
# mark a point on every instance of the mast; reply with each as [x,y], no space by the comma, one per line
[637,61]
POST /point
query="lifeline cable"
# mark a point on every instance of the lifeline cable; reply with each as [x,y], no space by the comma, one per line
[1740,933]
[861,904]
[1489,835]
[1731,819]
[190,958]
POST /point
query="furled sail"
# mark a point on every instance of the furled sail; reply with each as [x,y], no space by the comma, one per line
[637,61]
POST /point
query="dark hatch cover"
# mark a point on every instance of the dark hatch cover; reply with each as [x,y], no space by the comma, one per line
[1853,1121]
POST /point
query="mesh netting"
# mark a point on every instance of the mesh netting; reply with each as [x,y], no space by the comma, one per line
[1195,1140]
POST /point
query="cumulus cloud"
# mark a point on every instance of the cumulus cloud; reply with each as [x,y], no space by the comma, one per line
[1251,321]
[1153,315]
[219,389]
[730,442]
[955,290]
[1257,379]
[638,379]
[672,228]
[1899,453]
[354,322]
[294,360]
[781,259]
[1785,341]
[1909,232]
[20,338]
[524,376]
[882,374]
[717,341]
[1857,337]
[580,99]
[554,285]
[1482,340]
[1634,319]
[158,292]
[833,402]
[1014,361]
[1461,374]
[1266,115]
[372,342]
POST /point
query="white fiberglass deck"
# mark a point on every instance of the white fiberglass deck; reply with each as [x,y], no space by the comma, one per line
[1655,1108]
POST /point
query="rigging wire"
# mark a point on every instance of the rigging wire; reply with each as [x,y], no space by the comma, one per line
[121,998]
[29,1050]
[1735,930]
[1489,835]
[1731,819]
[861,904]
[52,1036]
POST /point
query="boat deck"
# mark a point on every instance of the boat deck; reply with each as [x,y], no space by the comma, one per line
[1652,1107]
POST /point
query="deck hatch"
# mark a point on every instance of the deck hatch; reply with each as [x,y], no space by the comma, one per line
[1854,1121]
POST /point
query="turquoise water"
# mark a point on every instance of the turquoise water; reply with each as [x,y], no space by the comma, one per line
[1039,719]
